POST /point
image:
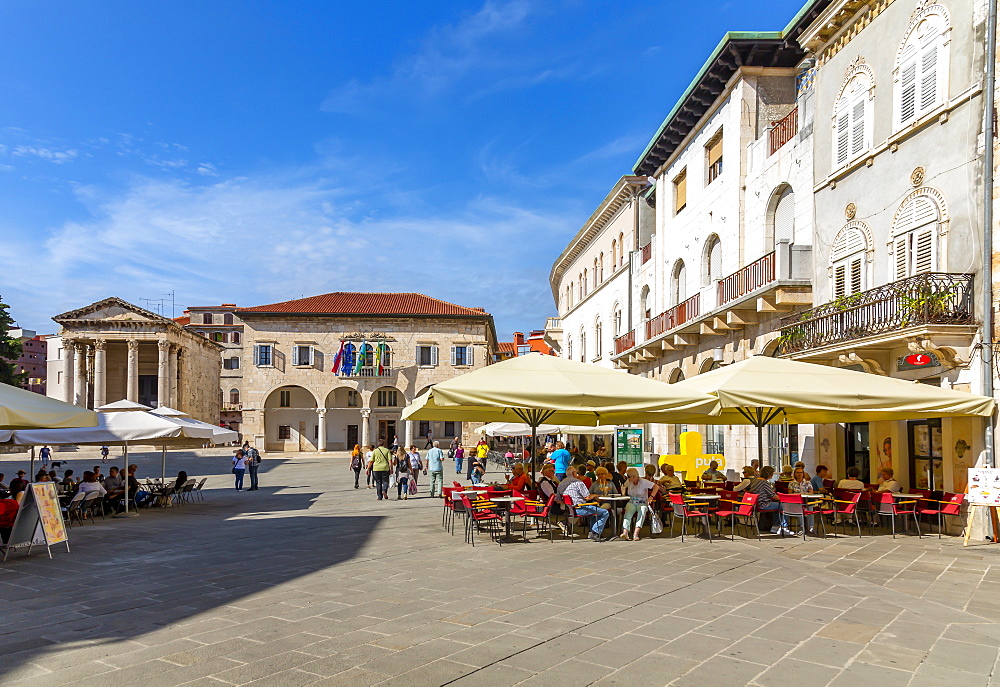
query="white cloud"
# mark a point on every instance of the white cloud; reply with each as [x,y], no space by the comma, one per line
[56,156]
[260,240]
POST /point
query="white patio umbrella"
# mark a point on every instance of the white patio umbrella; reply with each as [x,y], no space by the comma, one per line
[219,435]
[118,424]
[519,429]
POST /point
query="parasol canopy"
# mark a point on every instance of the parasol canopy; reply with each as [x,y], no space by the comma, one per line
[20,409]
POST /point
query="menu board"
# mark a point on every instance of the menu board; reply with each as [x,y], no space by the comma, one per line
[984,486]
[39,521]
[49,512]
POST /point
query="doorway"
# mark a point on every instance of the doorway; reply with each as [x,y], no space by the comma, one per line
[926,468]
[387,430]
[148,391]
[352,436]
[857,449]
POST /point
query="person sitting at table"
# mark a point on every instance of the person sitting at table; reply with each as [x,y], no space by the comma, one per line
[520,480]
[618,474]
[591,470]
[67,481]
[887,482]
[4,489]
[603,486]
[650,470]
[182,478]
[822,474]
[114,483]
[585,506]
[547,486]
[669,481]
[89,483]
[786,473]
[18,484]
[641,493]
[852,481]
[713,474]
[42,476]
[767,498]
[800,483]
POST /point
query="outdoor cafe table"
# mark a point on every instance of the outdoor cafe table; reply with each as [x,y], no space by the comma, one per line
[614,501]
[509,500]
[708,500]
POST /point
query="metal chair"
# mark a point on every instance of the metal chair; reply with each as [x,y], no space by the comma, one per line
[745,508]
[890,508]
[72,509]
[682,511]
[952,505]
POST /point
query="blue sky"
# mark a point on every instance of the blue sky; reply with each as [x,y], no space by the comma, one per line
[260,151]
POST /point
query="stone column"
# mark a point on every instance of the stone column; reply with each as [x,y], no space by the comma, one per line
[321,441]
[100,373]
[163,373]
[408,434]
[175,361]
[365,436]
[80,375]
[132,372]
[69,355]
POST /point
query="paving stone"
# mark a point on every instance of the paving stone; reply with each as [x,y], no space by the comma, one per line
[789,671]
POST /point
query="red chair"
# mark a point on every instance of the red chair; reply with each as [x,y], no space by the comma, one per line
[892,508]
[780,487]
[537,511]
[792,506]
[570,508]
[828,484]
[690,484]
[682,511]
[850,508]
[480,512]
[952,505]
[747,508]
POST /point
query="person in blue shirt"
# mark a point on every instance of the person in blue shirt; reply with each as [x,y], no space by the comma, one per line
[822,473]
[562,459]
[435,464]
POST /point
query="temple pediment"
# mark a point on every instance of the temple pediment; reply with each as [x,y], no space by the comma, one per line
[110,310]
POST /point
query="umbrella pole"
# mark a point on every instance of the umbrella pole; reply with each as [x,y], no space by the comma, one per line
[760,445]
[31,468]
[163,464]
[534,433]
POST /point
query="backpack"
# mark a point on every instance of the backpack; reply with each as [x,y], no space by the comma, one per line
[254,455]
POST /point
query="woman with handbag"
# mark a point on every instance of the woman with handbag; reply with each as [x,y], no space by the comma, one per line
[402,464]
[356,464]
[239,468]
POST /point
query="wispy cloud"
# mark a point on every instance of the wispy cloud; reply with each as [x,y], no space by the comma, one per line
[478,53]
[57,156]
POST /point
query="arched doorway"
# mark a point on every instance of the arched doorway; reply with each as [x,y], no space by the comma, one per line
[290,420]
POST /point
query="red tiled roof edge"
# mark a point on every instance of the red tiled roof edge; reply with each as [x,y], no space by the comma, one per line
[357,303]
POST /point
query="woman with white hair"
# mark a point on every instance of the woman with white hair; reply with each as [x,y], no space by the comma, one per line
[641,493]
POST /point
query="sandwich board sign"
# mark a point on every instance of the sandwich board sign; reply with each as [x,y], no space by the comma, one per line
[39,520]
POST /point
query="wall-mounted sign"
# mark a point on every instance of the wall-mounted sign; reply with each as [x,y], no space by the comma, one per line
[915,361]
[367,336]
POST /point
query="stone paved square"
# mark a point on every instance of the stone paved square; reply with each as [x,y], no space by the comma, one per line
[311,582]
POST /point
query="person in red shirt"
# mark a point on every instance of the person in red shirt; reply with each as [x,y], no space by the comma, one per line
[8,513]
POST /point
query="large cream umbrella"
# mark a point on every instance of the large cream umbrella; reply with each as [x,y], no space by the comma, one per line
[762,390]
[217,435]
[20,409]
[538,389]
[519,429]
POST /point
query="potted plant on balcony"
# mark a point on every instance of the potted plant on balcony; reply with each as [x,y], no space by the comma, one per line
[924,303]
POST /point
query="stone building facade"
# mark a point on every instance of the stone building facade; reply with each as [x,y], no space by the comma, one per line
[298,395]
[113,350]
[219,324]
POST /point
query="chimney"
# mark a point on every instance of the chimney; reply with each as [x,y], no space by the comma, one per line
[518,338]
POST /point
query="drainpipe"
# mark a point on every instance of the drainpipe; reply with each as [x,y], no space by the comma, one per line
[989,124]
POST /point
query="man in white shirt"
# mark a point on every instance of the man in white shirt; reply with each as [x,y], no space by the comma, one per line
[887,482]
[852,481]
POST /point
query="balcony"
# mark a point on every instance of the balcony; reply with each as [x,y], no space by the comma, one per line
[647,252]
[370,371]
[675,317]
[625,342]
[232,407]
[747,280]
[782,131]
[925,299]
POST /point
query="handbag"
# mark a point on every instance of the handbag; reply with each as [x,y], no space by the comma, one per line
[655,524]
[413,487]
[392,480]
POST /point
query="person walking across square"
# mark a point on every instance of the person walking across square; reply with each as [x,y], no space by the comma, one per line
[435,464]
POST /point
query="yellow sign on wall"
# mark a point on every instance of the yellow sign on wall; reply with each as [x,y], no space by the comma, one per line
[691,461]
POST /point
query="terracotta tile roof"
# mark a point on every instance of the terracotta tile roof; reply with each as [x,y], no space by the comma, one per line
[506,347]
[182,321]
[347,303]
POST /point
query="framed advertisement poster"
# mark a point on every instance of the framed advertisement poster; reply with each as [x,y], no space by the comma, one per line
[39,520]
[628,446]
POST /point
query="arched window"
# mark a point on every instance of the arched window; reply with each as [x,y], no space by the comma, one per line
[594,274]
[915,232]
[581,287]
[236,337]
[783,217]
[678,283]
[572,291]
[621,249]
[600,265]
[227,318]
[614,255]
[583,346]
[644,305]
[848,260]
[617,319]
[583,282]
[598,340]
[568,300]
[569,347]
[713,260]
[852,114]
[920,77]
[234,396]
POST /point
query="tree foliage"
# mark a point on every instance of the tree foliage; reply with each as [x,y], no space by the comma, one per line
[10,349]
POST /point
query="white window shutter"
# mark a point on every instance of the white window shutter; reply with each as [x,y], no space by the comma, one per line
[858,126]
[838,281]
[901,255]
[843,131]
[908,91]
[468,355]
[417,355]
[256,354]
[453,355]
[928,76]
[923,250]
[857,278]
[312,355]
[784,217]
[434,355]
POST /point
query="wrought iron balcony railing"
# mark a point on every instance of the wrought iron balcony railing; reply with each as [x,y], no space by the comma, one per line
[932,298]
[747,280]
[782,131]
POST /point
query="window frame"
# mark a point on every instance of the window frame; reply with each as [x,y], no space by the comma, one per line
[258,349]
[284,398]
[284,432]
[938,44]
[680,191]
[297,350]
[713,169]
[857,94]
[467,355]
